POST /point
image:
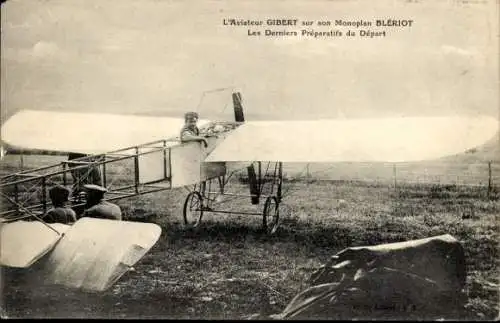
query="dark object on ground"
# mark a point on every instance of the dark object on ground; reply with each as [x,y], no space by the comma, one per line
[419,279]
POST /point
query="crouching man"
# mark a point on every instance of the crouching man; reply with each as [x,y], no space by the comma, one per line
[97,207]
[61,211]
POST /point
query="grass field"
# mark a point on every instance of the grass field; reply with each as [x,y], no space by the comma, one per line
[229,269]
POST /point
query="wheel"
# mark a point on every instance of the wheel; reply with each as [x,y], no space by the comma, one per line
[271,214]
[193,209]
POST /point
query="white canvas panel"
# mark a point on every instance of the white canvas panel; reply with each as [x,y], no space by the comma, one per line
[87,133]
[153,165]
[185,164]
[94,253]
[355,140]
[22,243]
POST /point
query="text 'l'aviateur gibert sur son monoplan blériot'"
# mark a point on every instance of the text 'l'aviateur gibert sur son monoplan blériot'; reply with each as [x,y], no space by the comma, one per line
[317,28]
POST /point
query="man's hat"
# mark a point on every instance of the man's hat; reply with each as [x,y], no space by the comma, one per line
[59,192]
[191,115]
[59,188]
[96,188]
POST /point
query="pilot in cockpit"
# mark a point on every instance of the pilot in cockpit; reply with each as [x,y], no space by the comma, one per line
[190,131]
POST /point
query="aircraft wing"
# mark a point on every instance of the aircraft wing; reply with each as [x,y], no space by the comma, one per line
[95,253]
[86,133]
[22,243]
[401,139]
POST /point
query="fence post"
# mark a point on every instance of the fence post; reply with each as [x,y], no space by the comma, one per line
[308,174]
[136,170]
[395,177]
[489,179]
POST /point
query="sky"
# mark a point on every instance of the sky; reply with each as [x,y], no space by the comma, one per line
[162,57]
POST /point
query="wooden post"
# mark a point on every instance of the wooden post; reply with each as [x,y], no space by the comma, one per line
[395,177]
[104,184]
[165,173]
[136,170]
[308,175]
[489,179]
[44,194]
[280,181]
[65,179]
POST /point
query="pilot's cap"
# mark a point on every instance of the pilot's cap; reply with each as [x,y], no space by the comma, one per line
[95,188]
[59,192]
[189,115]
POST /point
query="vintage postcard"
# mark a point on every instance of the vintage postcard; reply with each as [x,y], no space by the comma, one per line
[250,159]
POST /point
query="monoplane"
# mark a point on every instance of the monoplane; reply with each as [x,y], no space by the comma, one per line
[133,155]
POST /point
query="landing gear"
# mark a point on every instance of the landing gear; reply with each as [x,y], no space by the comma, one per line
[193,209]
[263,184]
[271,214]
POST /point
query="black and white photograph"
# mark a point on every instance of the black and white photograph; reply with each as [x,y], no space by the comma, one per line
[250,160]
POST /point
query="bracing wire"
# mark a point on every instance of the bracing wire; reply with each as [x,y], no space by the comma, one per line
[212,91]
[29,213]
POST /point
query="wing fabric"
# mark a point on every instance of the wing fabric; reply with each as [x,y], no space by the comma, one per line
[87,133]
[401,139]
[95,253]
[22,243]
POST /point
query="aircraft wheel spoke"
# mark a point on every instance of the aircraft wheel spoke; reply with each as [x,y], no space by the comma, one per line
[193,209]
[270,220]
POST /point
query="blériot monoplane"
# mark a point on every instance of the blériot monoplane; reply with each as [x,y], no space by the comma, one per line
[93,253]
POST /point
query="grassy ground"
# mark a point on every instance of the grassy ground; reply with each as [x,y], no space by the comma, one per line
[230,269]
